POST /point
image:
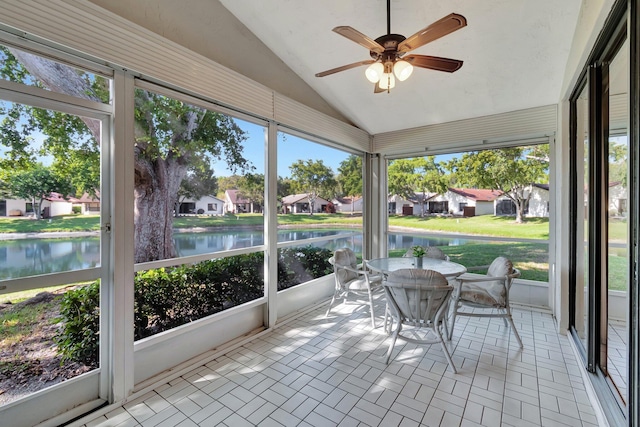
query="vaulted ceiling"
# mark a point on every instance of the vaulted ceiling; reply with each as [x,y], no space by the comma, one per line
[514,52]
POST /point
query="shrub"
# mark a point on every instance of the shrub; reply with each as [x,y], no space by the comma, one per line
[76,209]
[78,338]
[299,265]
[169,297]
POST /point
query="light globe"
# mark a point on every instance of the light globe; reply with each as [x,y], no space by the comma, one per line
[402,69]
[374,72]
[388,81]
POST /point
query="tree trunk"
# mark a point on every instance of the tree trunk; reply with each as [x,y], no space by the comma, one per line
[312,202]
[519,219]
[156,183]
[36,208]
[520,204]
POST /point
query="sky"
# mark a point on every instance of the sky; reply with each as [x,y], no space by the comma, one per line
[290,150]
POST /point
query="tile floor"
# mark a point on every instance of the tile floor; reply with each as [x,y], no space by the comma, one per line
[317,371]
[617,355]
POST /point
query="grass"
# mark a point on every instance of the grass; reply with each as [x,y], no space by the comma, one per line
[531,258]
[17,297]
[18,322]
[618,230]
[487,225]
[70,223]
[26,341]
[258,220]
[618,272]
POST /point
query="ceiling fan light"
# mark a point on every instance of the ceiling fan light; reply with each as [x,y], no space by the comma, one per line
[388,81]
[374,72]
[402,69]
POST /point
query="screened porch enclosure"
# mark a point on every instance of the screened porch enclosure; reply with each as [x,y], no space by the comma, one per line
[173,72]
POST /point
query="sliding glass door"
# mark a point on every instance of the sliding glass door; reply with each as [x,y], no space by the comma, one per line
[600,217]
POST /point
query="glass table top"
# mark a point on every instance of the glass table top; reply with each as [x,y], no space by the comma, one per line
[446,268]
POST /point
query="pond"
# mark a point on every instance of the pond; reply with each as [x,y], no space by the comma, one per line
[27,257]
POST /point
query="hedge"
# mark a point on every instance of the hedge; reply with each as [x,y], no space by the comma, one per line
[168,297]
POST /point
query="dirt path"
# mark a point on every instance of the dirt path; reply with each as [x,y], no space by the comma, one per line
[31,363]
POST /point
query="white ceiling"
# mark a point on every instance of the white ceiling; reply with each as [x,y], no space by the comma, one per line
[514,53]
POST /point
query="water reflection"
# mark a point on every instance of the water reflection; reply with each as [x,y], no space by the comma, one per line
[28,257]
[20,258]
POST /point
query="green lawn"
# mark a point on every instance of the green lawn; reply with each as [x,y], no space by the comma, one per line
[56,224]
[488,225]
[531,258]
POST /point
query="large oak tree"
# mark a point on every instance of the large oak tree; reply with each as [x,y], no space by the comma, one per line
[350,177]
[420,174]
[169,136]
[313,178]
[510,170]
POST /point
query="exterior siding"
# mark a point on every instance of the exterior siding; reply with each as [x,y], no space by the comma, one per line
[203,203]
[538,203]
[454,201]
[485,208]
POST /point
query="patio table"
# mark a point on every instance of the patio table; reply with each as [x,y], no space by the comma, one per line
[447,268]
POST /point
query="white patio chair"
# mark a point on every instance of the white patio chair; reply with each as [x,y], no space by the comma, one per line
[418,299]
[353,278]
[490,292]
[431,252]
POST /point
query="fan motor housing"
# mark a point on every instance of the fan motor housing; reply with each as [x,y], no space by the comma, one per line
[390,44]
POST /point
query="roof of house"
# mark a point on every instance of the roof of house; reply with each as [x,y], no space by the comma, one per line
[347,200]
[542,186]
[57,197]
[417,197]
[477,194]
[295,198]
[86,198]
[236,197]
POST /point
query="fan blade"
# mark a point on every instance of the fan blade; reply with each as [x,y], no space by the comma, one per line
[344,67]
[356,36]
[434,63]
[444,26]
[378,89]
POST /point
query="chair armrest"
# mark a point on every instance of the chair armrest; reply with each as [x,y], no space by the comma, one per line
[479,279]
[514,274]
[353,270]
[478,267]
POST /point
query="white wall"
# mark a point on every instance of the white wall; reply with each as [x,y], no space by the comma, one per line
[454,201]
[57,208]
[485,208]
[538,203]
[16,205]
[347,207]
[400,202]
[618,198]
[203,203]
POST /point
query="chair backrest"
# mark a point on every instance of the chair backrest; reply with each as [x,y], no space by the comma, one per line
[344,257]
[431,252]
[435,253]
[501,268]
[418,296]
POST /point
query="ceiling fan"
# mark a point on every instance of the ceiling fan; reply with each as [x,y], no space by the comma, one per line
[388,51]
